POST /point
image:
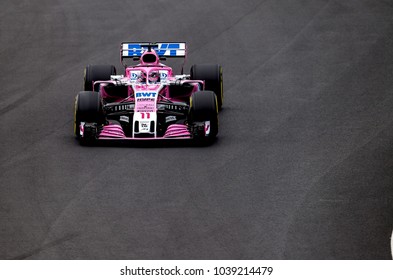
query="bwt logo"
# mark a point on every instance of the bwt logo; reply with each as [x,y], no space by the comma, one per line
[145,94]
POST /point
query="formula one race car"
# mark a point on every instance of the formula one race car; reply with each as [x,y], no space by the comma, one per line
[149,101]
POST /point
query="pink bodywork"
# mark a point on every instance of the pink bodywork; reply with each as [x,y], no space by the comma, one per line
[179,131]
[115,131]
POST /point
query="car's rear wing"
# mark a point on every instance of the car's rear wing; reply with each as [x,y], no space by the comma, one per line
[163,50]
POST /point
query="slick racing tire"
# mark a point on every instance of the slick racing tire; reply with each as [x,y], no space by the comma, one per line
[204,108]
[88,109]
[94,73]
[212,75]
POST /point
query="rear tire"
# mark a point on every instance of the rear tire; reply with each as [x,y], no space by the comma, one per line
[88,109]
[94,73]
[212,75]
[204,108]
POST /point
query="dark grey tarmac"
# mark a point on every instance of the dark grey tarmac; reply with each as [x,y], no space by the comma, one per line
[302,168]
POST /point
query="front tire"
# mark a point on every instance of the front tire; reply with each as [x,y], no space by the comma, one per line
[88,109]
[204,109]
[94,73]
[212,75]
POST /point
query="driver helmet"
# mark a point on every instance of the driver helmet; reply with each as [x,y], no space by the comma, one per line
[154,77]
[142,77]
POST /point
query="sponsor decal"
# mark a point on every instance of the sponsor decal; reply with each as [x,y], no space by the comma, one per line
[207,128]
[163,75]
[170,119]
[145,108]
[144,126]
[81,129]
[146,99]
[167,49]
[171,49]
[124,119]
[145,94]
[134,75]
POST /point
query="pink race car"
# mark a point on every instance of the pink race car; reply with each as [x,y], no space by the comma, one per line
[149,101]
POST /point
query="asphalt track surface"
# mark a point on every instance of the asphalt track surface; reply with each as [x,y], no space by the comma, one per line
[302,168]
